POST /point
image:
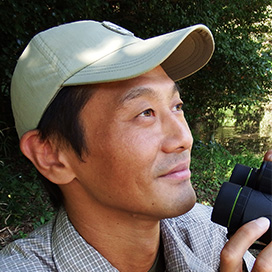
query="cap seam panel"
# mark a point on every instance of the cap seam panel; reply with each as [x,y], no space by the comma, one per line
[49,55]
[90,64]
[138,61]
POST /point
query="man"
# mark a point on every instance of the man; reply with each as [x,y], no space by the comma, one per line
[99,115]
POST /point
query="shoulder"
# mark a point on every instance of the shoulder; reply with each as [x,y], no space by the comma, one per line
[29,254]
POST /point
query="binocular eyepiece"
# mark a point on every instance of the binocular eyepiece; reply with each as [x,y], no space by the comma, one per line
[247,196]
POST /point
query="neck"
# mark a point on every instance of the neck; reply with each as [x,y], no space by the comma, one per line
[128,242]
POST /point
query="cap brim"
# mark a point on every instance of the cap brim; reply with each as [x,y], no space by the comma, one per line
[180,53]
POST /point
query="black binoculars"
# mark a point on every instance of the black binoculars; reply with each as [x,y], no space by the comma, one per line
[247,196]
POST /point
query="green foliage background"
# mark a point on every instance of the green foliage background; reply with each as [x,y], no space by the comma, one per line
[237,77]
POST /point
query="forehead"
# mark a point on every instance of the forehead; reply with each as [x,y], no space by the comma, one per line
[115,104]
[151,85]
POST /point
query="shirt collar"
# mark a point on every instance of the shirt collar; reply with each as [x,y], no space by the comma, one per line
[71,252]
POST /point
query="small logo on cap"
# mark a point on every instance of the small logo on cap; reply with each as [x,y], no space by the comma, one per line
[116,28]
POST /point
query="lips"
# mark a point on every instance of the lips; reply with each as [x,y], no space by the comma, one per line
[180,172]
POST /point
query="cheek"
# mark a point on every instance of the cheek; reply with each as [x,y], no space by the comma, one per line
[137,148]
[127,160]
[121,155]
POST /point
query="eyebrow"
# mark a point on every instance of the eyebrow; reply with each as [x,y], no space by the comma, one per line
[141,91]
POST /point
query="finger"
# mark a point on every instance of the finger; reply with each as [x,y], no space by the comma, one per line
[231,258]
[268,155]
[264,261]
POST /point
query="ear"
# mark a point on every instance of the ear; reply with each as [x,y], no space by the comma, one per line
[50,160]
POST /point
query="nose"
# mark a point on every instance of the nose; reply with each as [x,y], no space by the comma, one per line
[177,136]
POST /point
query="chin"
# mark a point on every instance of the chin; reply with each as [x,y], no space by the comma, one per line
[184,203]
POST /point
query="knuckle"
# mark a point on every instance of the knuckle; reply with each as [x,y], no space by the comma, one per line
[228,255]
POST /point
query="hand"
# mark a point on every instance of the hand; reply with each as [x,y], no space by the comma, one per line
[268,155]
[232,254]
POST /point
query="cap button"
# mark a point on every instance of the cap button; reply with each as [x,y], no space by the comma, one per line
[116,28]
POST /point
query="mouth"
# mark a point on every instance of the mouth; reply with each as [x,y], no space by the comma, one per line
[180,172]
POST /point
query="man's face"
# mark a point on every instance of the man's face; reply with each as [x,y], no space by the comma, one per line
[139,148]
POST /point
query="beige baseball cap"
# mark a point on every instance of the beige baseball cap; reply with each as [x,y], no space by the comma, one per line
[87,52]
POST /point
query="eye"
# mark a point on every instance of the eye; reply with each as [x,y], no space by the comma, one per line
[178,107]
[147,113]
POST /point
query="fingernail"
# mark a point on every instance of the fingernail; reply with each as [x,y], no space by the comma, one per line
[263,222]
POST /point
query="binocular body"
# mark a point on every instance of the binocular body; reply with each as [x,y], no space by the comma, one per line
[247,196]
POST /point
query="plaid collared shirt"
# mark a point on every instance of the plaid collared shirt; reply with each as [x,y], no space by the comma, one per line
[191,243]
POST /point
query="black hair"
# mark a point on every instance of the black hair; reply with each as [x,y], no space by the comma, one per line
[61,122]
